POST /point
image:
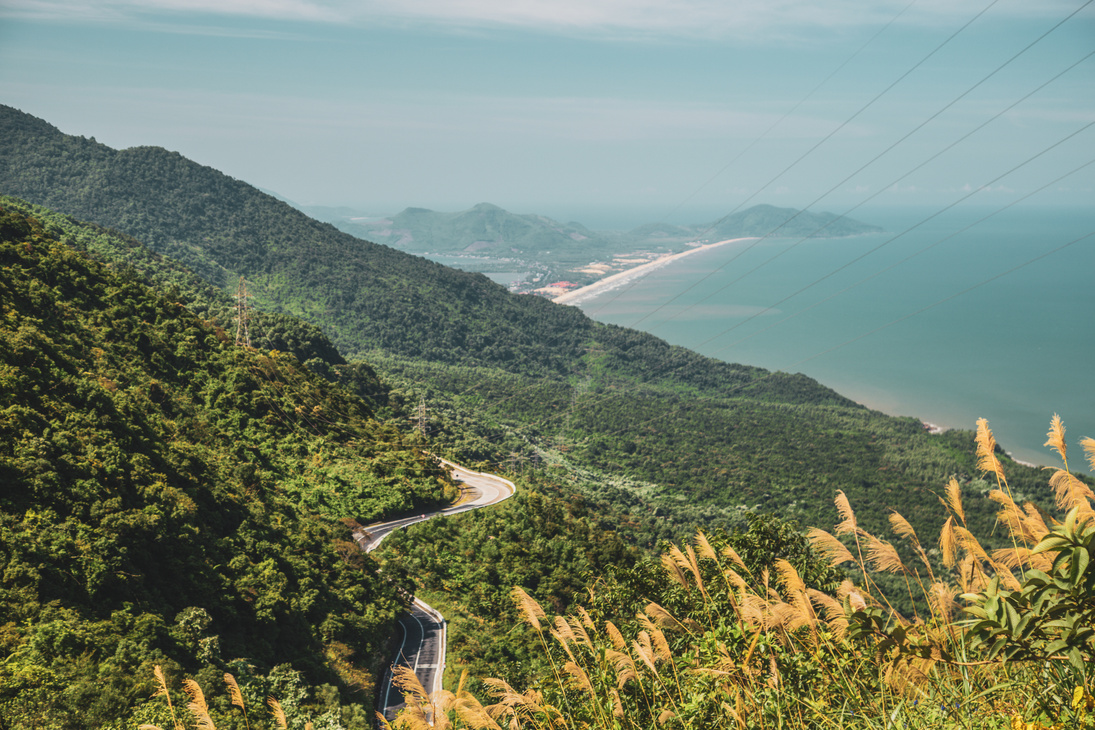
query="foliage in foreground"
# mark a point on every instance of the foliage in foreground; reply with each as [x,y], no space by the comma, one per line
[720,645]
[170,498]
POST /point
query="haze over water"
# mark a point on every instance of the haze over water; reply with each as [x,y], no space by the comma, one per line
[1015,350]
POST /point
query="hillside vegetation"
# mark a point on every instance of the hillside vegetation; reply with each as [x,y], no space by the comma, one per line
[171,498]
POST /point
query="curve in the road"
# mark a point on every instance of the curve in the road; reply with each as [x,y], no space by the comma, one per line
[424,634]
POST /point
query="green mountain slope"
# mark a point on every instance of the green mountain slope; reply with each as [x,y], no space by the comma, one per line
[522,373]
[170,498]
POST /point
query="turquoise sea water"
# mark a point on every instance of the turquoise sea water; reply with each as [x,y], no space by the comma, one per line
[935,336]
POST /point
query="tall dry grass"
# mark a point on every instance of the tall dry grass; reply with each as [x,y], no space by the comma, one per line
[749,650]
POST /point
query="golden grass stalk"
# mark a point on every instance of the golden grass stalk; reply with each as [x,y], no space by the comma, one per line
[732,555]
[884,556]
[948,543]
[624,666]
[580,678]
[1071,493]
[662,617]
[942,600]
[954,499]
[586,620]
[530,610]
[578,629]
[902,528]
[1055,438]
[161,690]
[617,705]
[408,683]
[234,693]
[1088,445]
[615,636]
[197,705]
[705,549]
[277,712]
[472,713]
[236,697]
[645,649]
[674,569]
[848,523]
[829,547]
[986,450]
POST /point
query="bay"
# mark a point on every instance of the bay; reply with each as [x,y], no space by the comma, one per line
[947,319]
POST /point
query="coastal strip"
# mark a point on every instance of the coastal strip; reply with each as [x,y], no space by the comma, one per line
[625,277]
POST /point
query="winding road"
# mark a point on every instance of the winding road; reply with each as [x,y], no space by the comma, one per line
[423,644]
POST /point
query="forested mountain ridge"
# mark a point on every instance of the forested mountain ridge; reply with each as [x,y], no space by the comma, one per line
[522,372]
[366,296]
[171,498]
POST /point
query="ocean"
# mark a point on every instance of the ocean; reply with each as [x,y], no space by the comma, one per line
[948,320]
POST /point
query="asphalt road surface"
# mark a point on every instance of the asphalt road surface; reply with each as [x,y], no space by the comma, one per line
[423,643]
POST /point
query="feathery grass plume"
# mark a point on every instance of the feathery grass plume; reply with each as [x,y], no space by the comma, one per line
[829,547]
[580,678]
[674,570]
[1010,515]
[847,591]
[1035,520]
[578,629]
[986,450]
[645,649]
[586,620]
[665,716]
[161,690]
[754,609]
[661,646]
[954,499]
[1071,493]
[848,523]
[884,556]
[236,696]
[472,713]
[277,712]
[197,705]
[687,560]
[530,610]
[624,666]
[615,636]
[732,555]
[234,693]
[941,600]
[1055,438]
[948,543]
[706,551]
[835,617]
[1007,578]
[408,683]
[902,528]
[149,727]
[617,705]
[968,542]
[663,618]
[1088,445]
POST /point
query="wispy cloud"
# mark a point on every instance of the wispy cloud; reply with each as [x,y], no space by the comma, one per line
[746,19]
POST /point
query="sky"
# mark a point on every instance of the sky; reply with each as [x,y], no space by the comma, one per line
[655,109]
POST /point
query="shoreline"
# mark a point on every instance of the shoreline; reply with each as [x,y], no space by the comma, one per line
[626,276]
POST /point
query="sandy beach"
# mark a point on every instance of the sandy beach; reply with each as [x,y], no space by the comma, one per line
[627,276]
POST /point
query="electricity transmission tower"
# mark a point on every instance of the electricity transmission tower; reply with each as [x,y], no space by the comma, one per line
[420,422]
[243,329]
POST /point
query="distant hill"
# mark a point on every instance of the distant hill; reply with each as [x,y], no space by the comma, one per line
[484,229]
[768,220]
[488,230]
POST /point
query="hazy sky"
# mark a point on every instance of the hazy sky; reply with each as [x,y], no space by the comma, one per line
[562,106]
